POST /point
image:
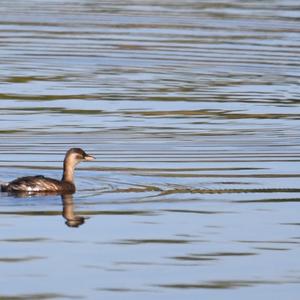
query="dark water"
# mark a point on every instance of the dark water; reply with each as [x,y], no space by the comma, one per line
[192,110]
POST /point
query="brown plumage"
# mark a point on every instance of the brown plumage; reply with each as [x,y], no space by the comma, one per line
[41,184]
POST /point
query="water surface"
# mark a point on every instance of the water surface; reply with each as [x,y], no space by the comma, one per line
[192,110]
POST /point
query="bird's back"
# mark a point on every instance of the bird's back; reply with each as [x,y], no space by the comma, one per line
[36,184]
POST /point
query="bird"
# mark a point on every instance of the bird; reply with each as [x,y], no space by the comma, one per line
[41,184]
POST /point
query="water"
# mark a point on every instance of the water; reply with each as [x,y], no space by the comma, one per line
[192,110]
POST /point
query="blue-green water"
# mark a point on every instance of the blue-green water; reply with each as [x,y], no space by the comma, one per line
[192,110]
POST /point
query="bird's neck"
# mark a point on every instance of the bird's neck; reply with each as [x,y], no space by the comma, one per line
[68,174]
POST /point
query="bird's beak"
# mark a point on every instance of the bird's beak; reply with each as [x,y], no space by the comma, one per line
[89,157]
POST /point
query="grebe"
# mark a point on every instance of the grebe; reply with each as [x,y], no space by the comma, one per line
[41,184]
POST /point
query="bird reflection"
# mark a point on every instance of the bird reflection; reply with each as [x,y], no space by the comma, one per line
[68,212]
[72,220]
